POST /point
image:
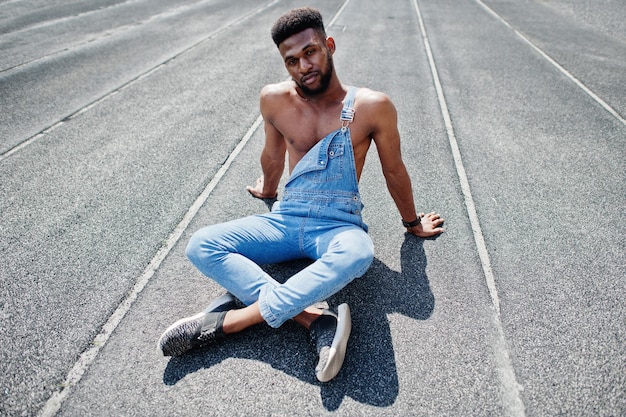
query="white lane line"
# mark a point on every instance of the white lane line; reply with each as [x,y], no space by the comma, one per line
[336,16]
[458,161]
[511,389]
[86,358]
[98,36]
[139,77]
[558,66]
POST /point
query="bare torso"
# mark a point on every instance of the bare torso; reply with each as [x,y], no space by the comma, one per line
[304,122]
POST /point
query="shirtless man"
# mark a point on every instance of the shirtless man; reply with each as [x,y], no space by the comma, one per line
[326,129]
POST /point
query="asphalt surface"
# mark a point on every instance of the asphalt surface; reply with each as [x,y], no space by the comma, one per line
[127,125]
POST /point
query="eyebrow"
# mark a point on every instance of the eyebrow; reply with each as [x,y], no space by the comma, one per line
[307,46]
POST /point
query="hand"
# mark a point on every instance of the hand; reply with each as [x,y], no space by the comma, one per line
[429,226]
[257,190]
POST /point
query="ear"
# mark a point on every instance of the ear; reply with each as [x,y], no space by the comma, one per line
[330,44]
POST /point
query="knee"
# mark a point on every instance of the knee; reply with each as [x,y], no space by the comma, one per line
[363,254]
[200,245]
[358,254]
[193,251]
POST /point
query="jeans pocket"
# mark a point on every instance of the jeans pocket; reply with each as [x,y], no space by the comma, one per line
[333,171]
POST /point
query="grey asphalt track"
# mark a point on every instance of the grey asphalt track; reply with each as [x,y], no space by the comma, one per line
[127,125]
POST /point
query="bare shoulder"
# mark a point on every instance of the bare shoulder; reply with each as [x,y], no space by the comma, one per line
[377,109]
[277,91]
[369,96]
[274,97]
[373,103]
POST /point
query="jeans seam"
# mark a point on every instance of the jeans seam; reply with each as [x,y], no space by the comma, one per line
[301,234]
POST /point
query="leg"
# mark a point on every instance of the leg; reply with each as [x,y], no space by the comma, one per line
[237,320]
[230,253]
[342,254]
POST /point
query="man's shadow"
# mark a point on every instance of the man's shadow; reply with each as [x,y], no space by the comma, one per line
[369,373]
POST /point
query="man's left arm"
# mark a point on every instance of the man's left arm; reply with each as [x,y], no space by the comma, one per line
[387,139]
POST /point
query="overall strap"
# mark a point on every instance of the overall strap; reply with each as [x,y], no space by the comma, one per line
[347,113]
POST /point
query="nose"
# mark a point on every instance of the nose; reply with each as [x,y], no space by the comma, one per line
[305,65]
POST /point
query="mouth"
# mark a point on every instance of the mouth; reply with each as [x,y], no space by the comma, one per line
[309,78]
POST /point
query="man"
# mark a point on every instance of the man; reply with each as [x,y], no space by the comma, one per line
[325,129]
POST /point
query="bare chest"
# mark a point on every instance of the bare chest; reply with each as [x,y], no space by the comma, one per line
[302,134]
[302,128]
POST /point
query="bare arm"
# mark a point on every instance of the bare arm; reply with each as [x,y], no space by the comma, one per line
[387,139]
[272,156]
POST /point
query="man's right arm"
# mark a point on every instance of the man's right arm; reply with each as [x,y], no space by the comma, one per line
[273,154]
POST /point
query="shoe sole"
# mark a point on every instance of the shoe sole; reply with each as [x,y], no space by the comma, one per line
[338,348]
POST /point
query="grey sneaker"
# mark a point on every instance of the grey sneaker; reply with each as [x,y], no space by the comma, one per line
[197,331]
[224,302]
[330,333]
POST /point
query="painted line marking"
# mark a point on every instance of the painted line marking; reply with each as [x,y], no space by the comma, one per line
[511,388]
[558,66]
[139,77]
[86,358]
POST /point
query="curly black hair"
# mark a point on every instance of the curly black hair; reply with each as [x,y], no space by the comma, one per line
[296,21]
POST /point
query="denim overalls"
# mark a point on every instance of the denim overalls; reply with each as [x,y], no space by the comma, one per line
[324,184]
[319,218]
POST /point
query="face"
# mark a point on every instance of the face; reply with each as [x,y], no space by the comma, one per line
[308,59]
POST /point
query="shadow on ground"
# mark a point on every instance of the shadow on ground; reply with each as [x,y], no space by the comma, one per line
[369,374]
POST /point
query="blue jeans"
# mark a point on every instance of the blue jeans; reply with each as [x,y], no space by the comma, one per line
[230,253]
[318,218]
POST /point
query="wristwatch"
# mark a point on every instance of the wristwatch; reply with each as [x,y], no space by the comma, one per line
[413,223]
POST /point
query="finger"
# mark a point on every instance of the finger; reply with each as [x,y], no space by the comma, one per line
[436,231]
[430,216]
[251,191]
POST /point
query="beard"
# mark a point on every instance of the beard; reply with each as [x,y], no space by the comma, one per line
[325,77]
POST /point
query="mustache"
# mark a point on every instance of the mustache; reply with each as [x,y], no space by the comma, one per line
[309,75]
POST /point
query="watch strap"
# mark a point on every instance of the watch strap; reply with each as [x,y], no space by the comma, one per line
[413,223]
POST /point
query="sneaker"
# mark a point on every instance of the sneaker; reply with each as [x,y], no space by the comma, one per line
[330,333]
[224,302]
[196,331]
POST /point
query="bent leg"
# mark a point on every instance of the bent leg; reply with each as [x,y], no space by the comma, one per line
[342,254]
[230,253]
